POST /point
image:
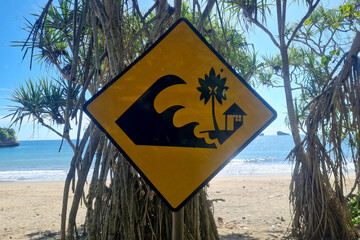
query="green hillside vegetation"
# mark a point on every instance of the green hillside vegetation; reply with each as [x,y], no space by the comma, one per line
[7,137]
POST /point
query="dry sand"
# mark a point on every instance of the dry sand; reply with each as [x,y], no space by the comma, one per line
[251,207]
[32,210]
[247,207]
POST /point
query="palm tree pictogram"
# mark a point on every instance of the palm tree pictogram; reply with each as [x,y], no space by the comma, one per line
[213,86]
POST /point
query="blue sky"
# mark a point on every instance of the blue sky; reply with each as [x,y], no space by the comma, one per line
[14,71]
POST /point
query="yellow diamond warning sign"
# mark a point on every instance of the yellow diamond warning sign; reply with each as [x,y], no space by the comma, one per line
[179,113]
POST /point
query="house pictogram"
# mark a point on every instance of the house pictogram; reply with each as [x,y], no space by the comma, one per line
[238,116]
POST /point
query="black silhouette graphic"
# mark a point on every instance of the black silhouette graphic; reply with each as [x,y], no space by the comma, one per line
[213,86]
[238,116]
[145,126]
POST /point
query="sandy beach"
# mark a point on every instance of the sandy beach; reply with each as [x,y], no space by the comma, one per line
[251,207]
[32,210]
[246,207]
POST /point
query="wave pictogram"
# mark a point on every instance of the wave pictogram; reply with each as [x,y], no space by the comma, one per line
[145,126]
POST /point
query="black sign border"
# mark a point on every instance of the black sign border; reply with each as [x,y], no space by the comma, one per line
[221,166]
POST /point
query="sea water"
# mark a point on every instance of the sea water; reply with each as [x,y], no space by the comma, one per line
[42,161]
[265,155]
[35,161]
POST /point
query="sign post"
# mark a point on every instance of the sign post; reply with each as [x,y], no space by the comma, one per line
[178,225]
[179,114]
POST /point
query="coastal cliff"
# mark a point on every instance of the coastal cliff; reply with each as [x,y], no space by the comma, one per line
[9,143]
[280,133]
[8,138]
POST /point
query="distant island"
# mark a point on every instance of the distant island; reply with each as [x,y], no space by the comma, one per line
[8,138]
[280,133]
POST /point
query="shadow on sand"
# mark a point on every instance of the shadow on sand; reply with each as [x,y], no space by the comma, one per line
[238,236]
[45,235]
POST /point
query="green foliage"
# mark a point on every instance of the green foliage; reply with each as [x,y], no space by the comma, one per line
[7,134]
[243,10]
[324,39]
[314,56]
[52,43]
[350,12]
[225,37]
[11,132]
[354,207]
[41,100]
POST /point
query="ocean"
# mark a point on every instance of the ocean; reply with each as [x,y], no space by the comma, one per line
[41,161]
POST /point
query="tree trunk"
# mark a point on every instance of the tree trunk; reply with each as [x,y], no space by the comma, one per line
[70,177]
[319,210]
[95,141]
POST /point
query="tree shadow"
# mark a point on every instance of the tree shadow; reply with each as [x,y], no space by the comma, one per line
[52,235]
[44,235]
[237,236]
